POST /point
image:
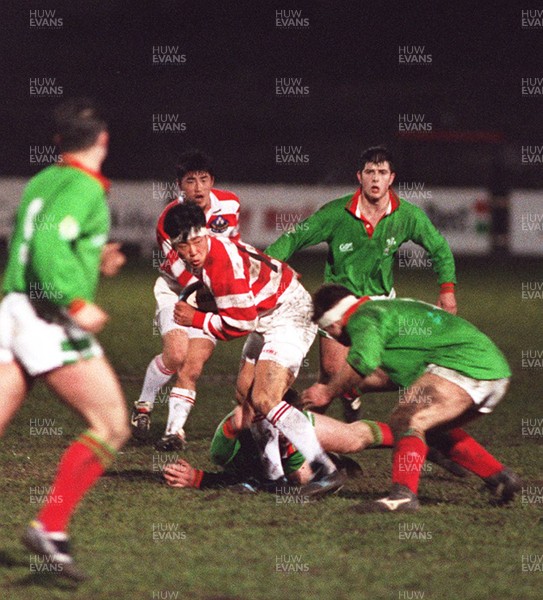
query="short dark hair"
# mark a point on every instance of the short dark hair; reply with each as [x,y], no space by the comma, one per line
[77,123]
[194,161]
[377,155]
[181,218]
[327,296]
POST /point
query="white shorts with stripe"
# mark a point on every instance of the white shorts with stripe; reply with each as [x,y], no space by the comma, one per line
[284,334]
[38,345]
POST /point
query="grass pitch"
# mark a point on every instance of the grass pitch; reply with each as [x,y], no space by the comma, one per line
[140,540]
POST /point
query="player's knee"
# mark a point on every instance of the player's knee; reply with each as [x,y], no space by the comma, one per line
[174,357]
[263,402]
[115,433]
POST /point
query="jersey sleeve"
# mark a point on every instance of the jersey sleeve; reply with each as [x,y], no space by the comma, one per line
[365,354]
[225,443]
[68,247]
[309,232]
[427,236]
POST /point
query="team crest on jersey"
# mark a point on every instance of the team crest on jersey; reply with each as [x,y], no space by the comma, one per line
[218,225]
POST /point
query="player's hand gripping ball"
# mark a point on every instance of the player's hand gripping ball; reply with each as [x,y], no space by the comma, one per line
[199,297]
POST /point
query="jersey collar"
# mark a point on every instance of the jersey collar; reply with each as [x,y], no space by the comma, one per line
[349,312]
[354,208]
[72,162]
[214,203]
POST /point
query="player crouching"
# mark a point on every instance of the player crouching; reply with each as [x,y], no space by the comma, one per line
[452,371]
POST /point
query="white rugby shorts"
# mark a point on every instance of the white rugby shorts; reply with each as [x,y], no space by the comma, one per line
[166,295]
[284,334]
[38,345]
[485,393]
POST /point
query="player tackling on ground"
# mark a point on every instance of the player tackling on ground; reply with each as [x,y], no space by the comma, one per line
[262,297]
[453,373]
[233,448]
[364,231]
[185,349]
[48,317]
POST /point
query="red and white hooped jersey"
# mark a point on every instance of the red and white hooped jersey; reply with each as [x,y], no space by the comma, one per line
[245,282]
[222,219]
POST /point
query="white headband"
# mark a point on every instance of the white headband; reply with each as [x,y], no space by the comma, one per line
[193,233]
[337,311]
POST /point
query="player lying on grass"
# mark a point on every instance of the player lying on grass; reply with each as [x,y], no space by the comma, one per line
[364,231]
[48,318]
[185,349]
[260,297]
[452,371]
[234,449]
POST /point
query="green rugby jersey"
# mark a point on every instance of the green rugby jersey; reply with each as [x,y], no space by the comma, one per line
[359,257]
[404,336]
[61,226]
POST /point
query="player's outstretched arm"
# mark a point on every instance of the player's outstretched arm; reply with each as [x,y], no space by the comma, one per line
[320,394]
[439,252]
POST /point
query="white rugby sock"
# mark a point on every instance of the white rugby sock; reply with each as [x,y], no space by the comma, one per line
[156,376]
[180,402]
[297,429]
[266,437]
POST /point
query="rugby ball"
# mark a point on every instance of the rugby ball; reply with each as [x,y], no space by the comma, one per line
[199,297]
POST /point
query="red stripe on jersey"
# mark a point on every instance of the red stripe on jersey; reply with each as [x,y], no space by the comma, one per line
[227,273]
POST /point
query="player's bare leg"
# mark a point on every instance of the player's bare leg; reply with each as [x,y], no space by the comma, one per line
[332,355]
[13,389]
[270,384]
[92,389]
[183,393]
[345,438]
[244,382]
[432,402]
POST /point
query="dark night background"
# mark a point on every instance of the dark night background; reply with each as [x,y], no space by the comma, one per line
[225,92]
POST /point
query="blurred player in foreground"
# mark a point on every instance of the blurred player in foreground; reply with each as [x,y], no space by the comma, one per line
[233,448]
[262,297]
[48,317]
[185,349]
[452,372]
[363,232]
